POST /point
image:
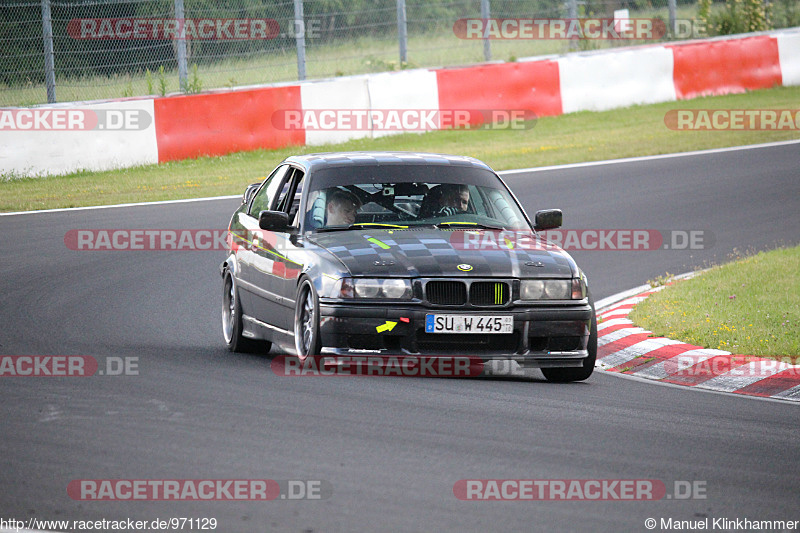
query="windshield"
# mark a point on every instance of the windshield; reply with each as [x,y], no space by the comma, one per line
[386,197]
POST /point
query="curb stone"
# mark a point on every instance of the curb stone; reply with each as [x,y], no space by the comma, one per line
[625,348]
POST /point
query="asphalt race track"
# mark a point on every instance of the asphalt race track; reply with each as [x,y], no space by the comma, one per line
[391,449]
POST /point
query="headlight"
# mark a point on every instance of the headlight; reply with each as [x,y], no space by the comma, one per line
[393,288]
[531,289]
[367,288]
[557,289]
[552,289]
[396,288]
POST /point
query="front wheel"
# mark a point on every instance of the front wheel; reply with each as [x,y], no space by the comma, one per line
[232,325]
[306,321]
[564,375]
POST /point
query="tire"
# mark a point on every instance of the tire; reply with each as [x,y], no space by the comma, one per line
[232,325]
[306,321]
[565,375]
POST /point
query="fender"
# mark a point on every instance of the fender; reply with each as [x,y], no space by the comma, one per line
[230,263]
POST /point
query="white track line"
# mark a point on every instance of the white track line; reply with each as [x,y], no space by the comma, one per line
[138,204]
[650,157]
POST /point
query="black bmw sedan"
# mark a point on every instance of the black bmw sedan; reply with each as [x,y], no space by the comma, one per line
[412,254]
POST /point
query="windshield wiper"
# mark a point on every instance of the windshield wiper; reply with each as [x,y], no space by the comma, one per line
[361,225]
[475,225]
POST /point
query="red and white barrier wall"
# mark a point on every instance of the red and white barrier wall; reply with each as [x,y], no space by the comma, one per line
[789,55]
[229,121]
[726,66]
[66,138]
[224,122]
[598,82]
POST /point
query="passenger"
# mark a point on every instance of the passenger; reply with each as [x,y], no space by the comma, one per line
[341,208]
[454,200]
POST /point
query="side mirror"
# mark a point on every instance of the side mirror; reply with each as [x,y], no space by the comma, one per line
[249,192]
[273,220]
[548,219]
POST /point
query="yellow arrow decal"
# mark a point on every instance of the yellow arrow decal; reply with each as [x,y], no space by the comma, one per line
[389,326]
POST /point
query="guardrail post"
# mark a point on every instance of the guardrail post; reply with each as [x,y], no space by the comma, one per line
[487,44]
[49,55]
[300,38]
[183,68]
[402,31]
[572,8]
[673,15]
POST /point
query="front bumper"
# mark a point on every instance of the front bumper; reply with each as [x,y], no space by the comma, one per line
[543,336]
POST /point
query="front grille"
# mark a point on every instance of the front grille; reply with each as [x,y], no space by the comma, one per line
[481,293]
[488,293]
[446,292]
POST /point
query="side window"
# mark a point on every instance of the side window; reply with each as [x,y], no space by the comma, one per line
[266,194]
[499,207]
[294,210]
[289,198]
[283,202]
[315,210]
[478,199]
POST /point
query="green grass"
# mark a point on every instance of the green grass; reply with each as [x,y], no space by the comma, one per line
[750,307]
[576,137]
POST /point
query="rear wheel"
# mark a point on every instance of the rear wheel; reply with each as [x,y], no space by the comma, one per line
[232,325]
[563,375]
[306,321]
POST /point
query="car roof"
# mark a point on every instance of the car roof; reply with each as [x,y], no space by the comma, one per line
[338,159]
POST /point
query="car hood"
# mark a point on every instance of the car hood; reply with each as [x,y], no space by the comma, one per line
[431,252]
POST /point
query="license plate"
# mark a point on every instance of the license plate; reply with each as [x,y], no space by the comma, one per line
[469,324]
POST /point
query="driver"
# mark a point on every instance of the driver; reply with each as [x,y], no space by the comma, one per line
[341,208]
[454,200]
